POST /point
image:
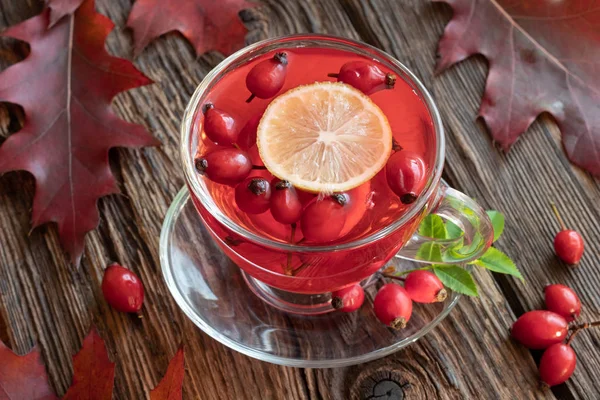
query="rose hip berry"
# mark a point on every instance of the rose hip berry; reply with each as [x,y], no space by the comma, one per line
[568,244]
[364,76]
[562,300]
[539,329]
[557,364]
[226,165]
[267,77]
[253,194]
[323,220]
[405,173]
[424,287]
[122,289]
[393,306]
[247,136]
[286,207]
[348,299]
[219,126]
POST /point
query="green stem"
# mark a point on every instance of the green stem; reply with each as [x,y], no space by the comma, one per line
[400,273]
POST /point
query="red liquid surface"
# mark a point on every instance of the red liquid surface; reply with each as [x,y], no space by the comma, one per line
[372,206]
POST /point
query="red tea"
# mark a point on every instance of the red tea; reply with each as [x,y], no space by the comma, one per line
[369,208]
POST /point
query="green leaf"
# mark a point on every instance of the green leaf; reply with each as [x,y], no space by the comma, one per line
[497,219]
[497,261]
[456,278]
[453,231]
[430,252]
[433,226]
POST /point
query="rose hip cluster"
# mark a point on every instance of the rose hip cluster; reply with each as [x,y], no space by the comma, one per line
[393,303]
[547,330]
[321,219]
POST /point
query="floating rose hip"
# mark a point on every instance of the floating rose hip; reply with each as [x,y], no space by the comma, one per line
[562,300]
[539,329]
[122,289]
[227,166]
[286,207]
[424,287]
[364,76]
[348,299]
[253,194]
[219,126]
[405,173]
[247,136]
[267,77]
[568,244]
[323,220]
[393,306]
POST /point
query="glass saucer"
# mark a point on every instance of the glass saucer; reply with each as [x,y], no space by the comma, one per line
[213,292]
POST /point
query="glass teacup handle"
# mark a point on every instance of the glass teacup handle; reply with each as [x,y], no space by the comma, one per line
[477,232]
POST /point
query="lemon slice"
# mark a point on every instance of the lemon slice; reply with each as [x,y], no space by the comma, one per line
[324,137]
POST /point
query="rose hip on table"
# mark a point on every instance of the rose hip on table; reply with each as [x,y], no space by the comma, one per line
[568,244]
[562,300]
[393,306]
[122,289]
[424,287]
[541,329]
[348,299]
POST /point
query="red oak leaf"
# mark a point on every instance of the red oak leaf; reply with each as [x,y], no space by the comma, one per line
[23,377]
[93,373]
[60,8]
[544,55]
[207,24]
[65,86]
[170,387]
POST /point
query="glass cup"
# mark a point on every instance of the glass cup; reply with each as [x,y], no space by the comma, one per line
[322,269]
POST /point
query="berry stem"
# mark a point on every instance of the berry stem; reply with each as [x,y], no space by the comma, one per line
[249,99]
[373,282]
[408,271]
[581,327]
[395,145]
[333,75]
[288,269]
[398,278]
[299,269]
[236,146]
[558,217]
[258,167]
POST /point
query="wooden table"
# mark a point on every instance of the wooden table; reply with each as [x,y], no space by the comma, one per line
[44,300]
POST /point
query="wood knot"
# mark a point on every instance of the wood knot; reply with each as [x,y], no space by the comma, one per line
[380,384]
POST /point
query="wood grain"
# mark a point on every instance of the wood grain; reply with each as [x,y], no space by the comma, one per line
[44,300]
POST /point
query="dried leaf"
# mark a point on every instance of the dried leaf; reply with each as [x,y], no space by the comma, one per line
[207,24]
[171,385]
[543,56]
[60,8]
[65,86]
[93,373]
[23,377]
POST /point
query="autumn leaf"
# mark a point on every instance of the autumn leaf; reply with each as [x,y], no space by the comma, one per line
[543,56]
[65,86]
[170,387]
[23,377]
[93,373]
[207,24]
[60,8]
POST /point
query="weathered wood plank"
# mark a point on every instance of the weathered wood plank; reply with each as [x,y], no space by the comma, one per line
[46,301]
